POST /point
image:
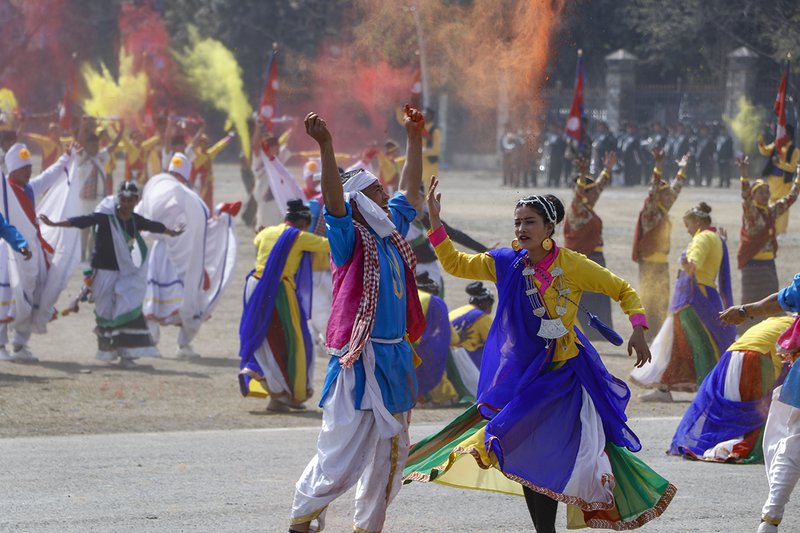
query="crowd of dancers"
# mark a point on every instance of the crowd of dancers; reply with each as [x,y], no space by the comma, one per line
[351,261]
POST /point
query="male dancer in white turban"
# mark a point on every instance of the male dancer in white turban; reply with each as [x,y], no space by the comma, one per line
[370,386]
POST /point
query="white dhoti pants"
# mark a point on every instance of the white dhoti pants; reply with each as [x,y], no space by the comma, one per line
[781,457]
[352,449]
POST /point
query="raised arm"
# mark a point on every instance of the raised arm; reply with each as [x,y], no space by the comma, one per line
[411,175]
[55,172]
[744,164]
[609,160]
[469,266]
[332,190]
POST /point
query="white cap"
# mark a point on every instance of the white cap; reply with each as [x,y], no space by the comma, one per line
[181,165]
[18,156]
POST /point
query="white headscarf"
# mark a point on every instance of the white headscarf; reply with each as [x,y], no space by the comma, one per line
[377,218]
[17,157]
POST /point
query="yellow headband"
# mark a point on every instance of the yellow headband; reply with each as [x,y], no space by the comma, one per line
[758,183]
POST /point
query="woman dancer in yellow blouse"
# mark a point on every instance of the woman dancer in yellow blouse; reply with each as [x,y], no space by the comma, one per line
[276,347]
[549,416]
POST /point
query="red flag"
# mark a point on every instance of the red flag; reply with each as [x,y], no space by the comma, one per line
[416,90]
[574,121]
[266,108]
[780,110]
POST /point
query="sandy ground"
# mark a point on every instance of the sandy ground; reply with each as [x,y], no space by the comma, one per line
[69,392]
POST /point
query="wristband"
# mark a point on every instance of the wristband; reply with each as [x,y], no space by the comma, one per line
[681,175]
[437,236]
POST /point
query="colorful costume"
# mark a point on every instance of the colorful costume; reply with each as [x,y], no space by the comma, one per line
[434,348]
[549,415]
[692,338]
[202,178]
[780,175]
[757,244]
[651,245]
[136,156]
[583,233]
[370,385]
[276,346]
[726,419]
[472,327]
[119,281]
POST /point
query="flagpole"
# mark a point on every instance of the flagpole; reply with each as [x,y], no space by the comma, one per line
[423,62]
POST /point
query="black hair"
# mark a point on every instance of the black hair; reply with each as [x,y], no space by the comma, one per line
[479,295]
[426,283]
[297,211]
[129,187]
[345,176]
[548,206]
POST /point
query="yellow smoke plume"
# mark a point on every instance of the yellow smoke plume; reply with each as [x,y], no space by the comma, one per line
[216,77]
[8,105]
[747,124]
[8,102]
[124,97]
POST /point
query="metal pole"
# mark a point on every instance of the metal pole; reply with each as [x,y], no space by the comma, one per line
[423,63]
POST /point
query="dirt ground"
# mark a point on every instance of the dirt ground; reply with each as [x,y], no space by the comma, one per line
[69,392]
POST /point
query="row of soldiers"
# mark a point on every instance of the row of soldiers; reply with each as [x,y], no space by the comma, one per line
[529,160]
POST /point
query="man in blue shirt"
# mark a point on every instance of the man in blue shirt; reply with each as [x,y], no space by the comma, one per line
[370,385]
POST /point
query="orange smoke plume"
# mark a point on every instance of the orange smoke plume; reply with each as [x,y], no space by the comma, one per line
[469,49]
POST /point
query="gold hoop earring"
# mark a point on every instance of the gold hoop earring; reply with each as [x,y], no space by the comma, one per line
[515,245]
[547,244]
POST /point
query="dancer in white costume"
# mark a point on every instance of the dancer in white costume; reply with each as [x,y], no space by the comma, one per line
[187,274]
[35,285]
[119,276]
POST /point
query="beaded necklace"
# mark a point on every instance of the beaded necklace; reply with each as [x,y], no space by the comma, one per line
[550,328]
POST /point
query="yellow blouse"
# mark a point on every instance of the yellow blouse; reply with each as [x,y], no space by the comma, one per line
[306,242]
[581,274]
[705,252]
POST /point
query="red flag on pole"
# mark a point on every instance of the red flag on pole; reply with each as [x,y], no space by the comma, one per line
[780,110]
[266,107]
[574,121]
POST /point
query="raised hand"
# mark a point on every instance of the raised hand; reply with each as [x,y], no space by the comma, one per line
[683,162]
[744,165]
[434,201]
[413,121]
[317,129]
[658,154]
[609,160]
